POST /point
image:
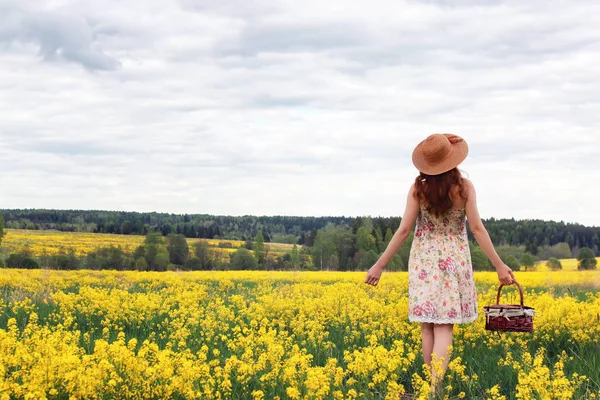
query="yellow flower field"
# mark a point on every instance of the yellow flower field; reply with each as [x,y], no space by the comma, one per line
[280,335]
[50,242]
[568,264]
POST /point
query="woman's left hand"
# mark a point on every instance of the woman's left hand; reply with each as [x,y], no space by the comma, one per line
[373,275]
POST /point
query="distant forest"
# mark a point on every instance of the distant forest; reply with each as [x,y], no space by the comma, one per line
[531,233]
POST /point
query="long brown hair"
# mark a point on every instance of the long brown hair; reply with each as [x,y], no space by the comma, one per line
[433,191]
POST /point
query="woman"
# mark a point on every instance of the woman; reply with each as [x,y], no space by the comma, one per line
[441,286]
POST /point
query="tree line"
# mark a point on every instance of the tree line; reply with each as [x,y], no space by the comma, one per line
[332,248]
[159,253]
[532,233]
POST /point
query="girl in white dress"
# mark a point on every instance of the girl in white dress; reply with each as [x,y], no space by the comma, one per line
[441,285]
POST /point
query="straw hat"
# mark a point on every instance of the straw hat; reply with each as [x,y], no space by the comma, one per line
[439,153]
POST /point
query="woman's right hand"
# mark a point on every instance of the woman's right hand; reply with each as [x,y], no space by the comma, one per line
[505,275]
[374,274]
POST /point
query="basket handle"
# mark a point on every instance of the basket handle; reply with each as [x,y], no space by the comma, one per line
[520,292]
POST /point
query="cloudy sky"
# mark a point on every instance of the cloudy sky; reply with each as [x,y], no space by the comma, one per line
[309,107]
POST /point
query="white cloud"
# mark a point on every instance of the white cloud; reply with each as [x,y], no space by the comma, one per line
[312,108]
[58,36]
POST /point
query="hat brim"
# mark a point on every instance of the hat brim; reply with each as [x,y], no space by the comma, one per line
[455,157]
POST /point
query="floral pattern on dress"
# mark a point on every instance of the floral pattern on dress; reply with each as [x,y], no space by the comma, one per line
[440,274]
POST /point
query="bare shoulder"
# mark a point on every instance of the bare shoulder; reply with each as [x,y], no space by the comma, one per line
[412,195]
[468,186]
[413,188]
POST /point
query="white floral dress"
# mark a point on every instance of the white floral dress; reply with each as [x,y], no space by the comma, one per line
[441,287]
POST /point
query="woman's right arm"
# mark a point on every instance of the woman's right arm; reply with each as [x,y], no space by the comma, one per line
[505,274]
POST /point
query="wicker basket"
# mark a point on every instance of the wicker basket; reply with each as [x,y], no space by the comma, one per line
[509,317]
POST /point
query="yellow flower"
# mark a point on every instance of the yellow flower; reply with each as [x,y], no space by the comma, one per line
[293,392]
[206,334]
